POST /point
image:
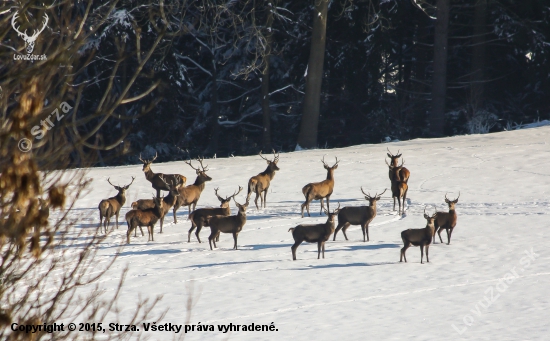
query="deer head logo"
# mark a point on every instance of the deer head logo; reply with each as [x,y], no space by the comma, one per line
[29,41]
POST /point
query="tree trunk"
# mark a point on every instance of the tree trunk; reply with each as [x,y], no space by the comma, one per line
[215,111]
[478,55]
[307,138]
[266,140]
[439,82]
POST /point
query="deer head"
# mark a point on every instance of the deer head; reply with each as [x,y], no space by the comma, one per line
[272,164]
[373,199]
[394,158]
[147,163]
[201,172]
[451,203]
[430,220]
[225,202]
[395,168]
[242,208]
[121,189]
[29,41]
[333,214]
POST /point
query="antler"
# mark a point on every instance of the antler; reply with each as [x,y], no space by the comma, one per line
[156,154]
[336,161]
[276,156]
[234,195]
[323,161]
[379,195]
[263,157]
[140,159]
[458,196]
[402,162]
[204,169]
[13,24]
[190,165]
[109,181]
[216,191]
[33,37]
[388,163]
[133,178]
[367,195]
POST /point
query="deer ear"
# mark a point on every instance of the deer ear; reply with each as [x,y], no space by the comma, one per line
[267,161]
[335,167]
[426,216]
[455,201]
[389,155]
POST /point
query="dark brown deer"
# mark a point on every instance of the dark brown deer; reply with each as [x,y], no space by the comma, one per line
[361,215]
[189,195]
[260,183]
[320,190]
[446,220]
[154,178]
[419,237]
[147,217]
[399,188]
[167,202]
[111,207]
[404,173]
[201,217]
[231,224]
[314,233]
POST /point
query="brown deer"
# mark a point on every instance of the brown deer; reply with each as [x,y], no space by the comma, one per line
[419,237]
[167,202]
[314,233]
[404,173]
[111,207]
[399,188]
[189,195]
[361,215]
[201,217]
[147,217]
[320,190]
[154,178]
[231,224]
[260,183]
[446,220]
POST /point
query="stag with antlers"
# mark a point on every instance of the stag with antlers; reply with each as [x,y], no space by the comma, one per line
[29,41]
[189,195]
[156,178]
[109,207]
[446,220]
[399,187]
[320,190]
[260,183]
[404,173]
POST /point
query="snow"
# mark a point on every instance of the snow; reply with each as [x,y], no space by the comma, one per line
[360,290]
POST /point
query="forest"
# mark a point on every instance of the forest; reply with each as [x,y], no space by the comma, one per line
[221,78]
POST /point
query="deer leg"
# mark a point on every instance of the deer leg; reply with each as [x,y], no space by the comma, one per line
[427,257]
[403,250]
[439,234]
[367,229]
[158,193]
[449,233]
[421,253]
[319,250]
[210,239]
[322,206]
[256,199]
[199,228]
[142,234]
[161,223]
[190,230]
[175,217]
[235,240]
[394,203]
[404,199]
[328,203]
[293,248]
[265,196]
[117,219]
[338,228]
[345,229]
[323,250]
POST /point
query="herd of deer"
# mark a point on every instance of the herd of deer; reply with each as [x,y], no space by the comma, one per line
[146,212]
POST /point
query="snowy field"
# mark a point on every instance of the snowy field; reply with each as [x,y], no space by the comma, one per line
[360,290]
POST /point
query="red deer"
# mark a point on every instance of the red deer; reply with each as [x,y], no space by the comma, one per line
[154,178]
[314,233]
[361,215]
[231,224]
[260,183]
[111,207]
[419,237]
[446,220]
[167,202]
[201,217]
[399,188]
[147,217]
[404,173]
[320,190]
[189,195]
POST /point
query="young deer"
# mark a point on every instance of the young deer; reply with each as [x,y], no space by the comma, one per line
[155,178]
[231,224]
[446,220]
[189,195]
[404,173]
[399,188]
[314,233]
[167,202]
[201,217]
[260,183]
[361,215]
[320,190]
[111,207]
[419,237]
[147,217]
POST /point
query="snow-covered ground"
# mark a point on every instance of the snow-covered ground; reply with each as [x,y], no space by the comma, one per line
[360,290]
